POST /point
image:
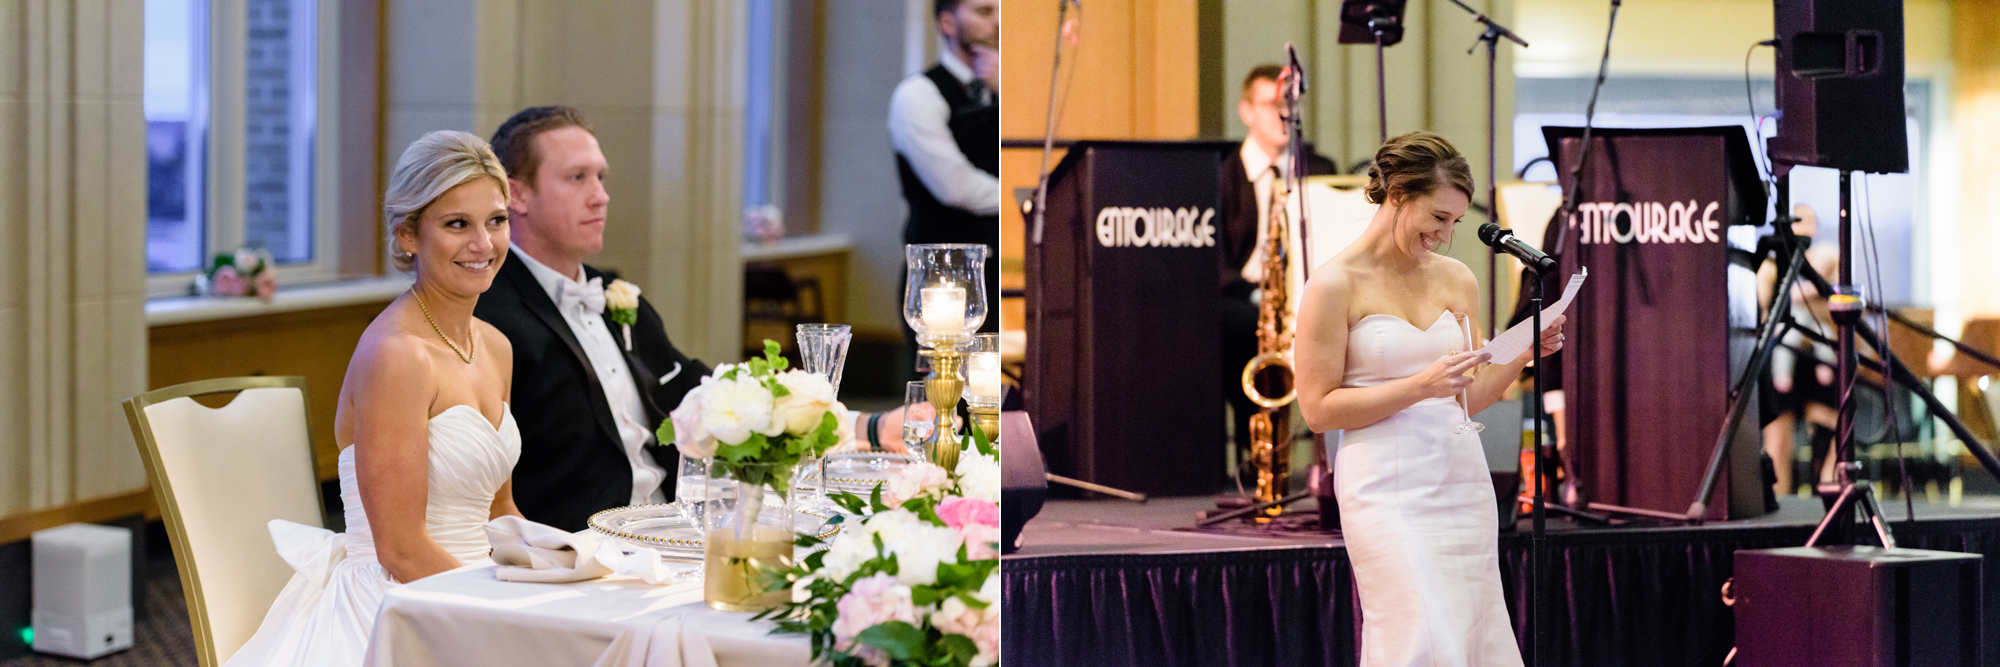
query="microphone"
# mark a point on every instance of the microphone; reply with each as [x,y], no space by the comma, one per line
[1504,240]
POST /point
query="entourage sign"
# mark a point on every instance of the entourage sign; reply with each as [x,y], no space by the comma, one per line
[1647,222]
[1125,226]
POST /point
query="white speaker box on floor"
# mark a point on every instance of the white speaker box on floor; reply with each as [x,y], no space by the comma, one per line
[83,590]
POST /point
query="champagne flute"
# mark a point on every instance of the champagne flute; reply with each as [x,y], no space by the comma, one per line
[1464,322]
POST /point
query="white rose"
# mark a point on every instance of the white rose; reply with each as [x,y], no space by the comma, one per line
[245,261]
[810,397]
[734,409]
[689,436]
[621,295]
[978,476]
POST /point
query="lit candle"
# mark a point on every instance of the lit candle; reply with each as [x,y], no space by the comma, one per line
[982,372]
[944,310]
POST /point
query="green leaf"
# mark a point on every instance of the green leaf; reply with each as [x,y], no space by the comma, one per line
[666,431]
[980,441]
[960,648]
[875,500]
[625,316]
[900,640]
[850,502]
[925,595]
[972,602]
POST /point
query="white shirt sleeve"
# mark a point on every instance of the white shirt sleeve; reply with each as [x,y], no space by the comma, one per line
[919,127]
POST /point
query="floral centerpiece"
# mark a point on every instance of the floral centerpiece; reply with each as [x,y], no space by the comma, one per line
[914,582]
[753,422]
[246,272]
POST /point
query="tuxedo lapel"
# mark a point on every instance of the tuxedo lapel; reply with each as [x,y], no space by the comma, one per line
[641,375]
[538,302]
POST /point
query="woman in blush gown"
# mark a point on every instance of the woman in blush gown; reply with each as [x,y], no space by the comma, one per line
[1374,357]
[427,442]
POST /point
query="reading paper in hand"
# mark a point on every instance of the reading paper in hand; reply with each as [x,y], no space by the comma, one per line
[1509,345]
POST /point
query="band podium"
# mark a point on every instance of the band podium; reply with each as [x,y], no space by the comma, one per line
[1669,322]
[1123,331]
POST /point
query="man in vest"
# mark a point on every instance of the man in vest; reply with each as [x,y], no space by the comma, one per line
[945,124]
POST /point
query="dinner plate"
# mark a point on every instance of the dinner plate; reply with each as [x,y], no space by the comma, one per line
[667,528]
[859,472]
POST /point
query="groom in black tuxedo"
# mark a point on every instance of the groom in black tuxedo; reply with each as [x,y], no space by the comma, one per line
[587,400]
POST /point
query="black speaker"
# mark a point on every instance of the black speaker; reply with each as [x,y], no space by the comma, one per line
[1840,85]
[1857,606]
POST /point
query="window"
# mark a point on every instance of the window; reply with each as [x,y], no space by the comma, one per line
[234,93]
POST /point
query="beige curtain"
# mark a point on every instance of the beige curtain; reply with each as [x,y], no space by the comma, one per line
[72,248]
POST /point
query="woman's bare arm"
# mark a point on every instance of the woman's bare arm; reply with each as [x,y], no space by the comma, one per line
[392,398]
[1320,361]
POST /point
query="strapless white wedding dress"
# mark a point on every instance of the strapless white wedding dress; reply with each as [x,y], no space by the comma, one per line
[326,615]
[1418,514]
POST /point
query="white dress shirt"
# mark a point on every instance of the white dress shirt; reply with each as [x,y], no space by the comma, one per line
[1263,171]
[919,127]
[606,359]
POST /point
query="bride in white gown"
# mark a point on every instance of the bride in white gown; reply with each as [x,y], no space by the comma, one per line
[1373,357]
[427,442]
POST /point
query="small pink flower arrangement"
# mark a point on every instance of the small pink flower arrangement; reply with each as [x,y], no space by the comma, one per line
[246,272]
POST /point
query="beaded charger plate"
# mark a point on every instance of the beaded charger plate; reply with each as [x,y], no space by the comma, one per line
[859,472]
[665,527]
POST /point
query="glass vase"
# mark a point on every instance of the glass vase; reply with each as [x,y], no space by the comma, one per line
[746,536]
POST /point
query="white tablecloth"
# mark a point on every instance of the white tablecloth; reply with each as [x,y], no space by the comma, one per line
[468,617]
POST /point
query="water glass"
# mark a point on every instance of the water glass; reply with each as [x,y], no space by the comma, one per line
[823,349]
[919,419]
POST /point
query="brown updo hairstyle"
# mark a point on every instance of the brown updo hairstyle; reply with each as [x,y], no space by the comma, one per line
[1414,165]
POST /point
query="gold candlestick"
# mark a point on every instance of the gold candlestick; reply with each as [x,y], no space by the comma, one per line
[944,387]
[988,418]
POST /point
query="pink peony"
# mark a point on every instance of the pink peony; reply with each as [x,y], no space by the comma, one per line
[871,602]
[922,478]
[230,283]
[977,523]
[267,285]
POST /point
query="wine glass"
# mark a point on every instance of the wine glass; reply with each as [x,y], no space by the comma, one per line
[1464,344]
[919,419]
[823,349]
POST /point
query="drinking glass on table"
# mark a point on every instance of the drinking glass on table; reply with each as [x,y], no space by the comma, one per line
[1464,344]
[823,352]
[919,420]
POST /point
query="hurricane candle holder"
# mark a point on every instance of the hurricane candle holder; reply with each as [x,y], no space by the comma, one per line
[982,378]
[944,301]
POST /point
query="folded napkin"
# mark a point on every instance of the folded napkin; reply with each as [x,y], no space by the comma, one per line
[529,551]
[539,553]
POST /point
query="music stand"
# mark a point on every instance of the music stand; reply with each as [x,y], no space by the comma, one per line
[1378,22]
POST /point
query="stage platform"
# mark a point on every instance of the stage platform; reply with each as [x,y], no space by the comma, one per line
[1112,582]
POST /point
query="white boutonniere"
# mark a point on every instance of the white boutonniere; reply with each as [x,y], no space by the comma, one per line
[622,299]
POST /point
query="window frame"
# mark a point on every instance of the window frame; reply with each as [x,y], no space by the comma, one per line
[223,216]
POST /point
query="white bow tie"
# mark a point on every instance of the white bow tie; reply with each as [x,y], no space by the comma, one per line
[588,295]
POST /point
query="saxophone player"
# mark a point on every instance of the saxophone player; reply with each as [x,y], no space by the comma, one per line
[1249,177]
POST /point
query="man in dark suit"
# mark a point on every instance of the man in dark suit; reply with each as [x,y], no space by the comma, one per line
[1248,176]
[587,398]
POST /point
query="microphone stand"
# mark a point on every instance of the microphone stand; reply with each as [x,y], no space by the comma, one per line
[1049,125]
[1537,553]
[1491,38]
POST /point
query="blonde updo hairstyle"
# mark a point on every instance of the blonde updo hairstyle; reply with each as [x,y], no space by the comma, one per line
[431,166]
[1415,165]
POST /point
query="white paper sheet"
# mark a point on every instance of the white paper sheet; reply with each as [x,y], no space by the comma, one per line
[1510,344]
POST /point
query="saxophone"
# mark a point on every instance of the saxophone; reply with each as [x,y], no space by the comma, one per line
[1270,428]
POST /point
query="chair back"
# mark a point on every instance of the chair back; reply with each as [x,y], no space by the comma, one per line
[220,475]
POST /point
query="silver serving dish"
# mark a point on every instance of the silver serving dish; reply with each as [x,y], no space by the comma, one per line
[859,472]
[667,528]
